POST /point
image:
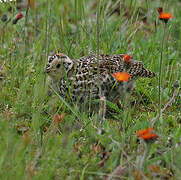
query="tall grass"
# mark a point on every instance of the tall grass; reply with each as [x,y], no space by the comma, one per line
[32,146]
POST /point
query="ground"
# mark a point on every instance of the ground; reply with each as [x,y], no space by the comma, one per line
[45,137]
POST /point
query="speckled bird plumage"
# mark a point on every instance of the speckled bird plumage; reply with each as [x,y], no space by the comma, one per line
[90,77]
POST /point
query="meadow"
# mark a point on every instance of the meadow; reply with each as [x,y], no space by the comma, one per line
[43,136]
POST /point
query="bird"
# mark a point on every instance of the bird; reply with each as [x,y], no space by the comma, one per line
[94,76]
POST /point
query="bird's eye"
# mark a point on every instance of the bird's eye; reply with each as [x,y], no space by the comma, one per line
[50,60]
[58,66]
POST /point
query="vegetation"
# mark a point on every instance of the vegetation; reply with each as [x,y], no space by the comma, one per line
[46,137]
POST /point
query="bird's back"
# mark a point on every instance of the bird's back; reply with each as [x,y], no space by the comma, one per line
[112,64]
[92,76]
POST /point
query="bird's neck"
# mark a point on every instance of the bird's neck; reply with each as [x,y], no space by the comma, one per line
[69,69]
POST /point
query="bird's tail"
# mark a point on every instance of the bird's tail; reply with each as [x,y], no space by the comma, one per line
[147,73]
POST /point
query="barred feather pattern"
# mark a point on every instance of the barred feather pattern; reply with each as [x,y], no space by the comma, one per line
[91,76]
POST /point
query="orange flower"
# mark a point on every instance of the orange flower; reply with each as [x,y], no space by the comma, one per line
[127,58]
[144,131]
[121,76]
[149,136]
[146,134]
[164,16]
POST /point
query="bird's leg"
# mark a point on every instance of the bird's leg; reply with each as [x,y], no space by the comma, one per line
[119,104]
[102,110]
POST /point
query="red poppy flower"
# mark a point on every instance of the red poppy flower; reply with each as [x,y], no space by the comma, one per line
[164,16]
[19,16]
[146,134]
[121,76]
[127,58]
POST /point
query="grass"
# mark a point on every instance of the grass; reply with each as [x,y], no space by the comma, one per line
[33,146]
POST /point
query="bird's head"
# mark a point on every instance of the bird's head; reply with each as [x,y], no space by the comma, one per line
[58,65]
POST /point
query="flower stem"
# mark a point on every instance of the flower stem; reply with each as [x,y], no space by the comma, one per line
[144,156]
[160,71]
